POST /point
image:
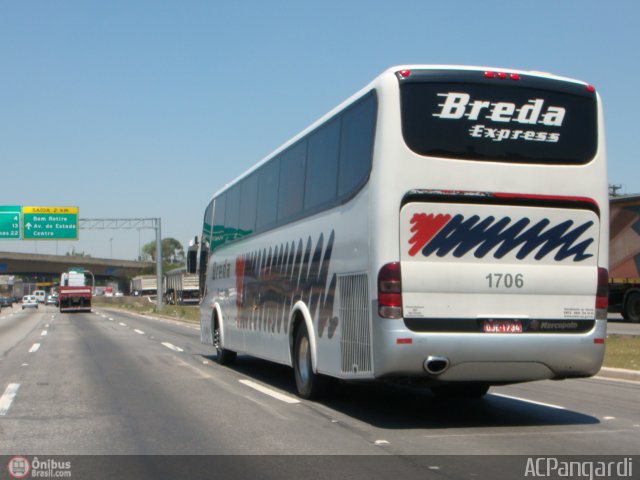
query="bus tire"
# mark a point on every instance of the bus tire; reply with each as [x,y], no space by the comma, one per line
[223,356]
[460,391]
[309,384]
[631,307]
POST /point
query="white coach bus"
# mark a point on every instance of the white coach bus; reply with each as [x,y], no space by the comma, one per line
[444,224]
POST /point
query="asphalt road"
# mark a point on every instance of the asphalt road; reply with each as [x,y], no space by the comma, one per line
[618,326]
[111,383]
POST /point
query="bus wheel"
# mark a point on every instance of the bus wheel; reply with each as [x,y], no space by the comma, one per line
[309,384]
[460,390]
[631,310]
[223,356]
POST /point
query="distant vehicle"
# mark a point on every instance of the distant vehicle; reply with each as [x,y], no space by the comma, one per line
[6,291]
[52,300]
[444,225]
[119,294]
[624,257]
[144,285]
[74,295]
[181,288]
[40,295]
[29,301]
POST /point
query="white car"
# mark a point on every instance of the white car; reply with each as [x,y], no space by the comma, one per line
[29,301]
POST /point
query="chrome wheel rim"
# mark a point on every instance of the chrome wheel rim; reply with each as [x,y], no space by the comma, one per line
[304,360]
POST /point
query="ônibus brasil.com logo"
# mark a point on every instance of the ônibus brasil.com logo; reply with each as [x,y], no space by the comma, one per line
[21,467]
[444,234]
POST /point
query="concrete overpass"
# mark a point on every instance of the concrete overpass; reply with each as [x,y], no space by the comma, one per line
[51,266]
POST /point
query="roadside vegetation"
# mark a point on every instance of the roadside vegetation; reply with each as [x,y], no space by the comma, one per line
[622,351]
[143,306]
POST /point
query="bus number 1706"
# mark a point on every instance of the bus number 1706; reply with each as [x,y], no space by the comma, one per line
[505,280]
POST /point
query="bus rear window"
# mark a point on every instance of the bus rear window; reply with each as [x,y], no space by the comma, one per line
[509,121]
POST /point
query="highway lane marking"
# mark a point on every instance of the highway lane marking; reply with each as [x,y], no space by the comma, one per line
[34,348]
[172,347]
[110,319]
[43,333]
[270,392]
[122,324]
[7,397]
[139,332]
[46,325]
[542,404]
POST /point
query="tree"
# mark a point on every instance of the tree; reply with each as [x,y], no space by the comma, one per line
[172,251]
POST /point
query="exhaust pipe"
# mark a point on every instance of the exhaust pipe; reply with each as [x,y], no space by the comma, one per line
[436,364]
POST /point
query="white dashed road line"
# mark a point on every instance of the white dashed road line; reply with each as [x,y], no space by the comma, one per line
[139,332]
[34,348]
[172,347]
[268,391]
[122,324]
[7,398]
[550,405]
[44,333]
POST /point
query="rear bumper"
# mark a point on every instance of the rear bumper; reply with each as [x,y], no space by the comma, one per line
[493,358]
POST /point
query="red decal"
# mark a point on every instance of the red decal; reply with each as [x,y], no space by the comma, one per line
[240,262]
[424,229]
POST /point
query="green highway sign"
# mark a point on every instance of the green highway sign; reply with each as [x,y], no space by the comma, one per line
[10,222]
[50,223]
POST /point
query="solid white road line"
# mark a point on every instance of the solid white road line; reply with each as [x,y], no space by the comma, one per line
[268,391]
[550,405]
[7,398]
[172,347]
[34,348]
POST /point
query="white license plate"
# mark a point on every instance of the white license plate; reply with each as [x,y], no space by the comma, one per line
[502,326]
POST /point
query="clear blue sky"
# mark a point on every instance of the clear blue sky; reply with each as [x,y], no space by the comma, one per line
[145,108]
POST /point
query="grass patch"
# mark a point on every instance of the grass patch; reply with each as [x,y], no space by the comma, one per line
[180,312]
[622,351]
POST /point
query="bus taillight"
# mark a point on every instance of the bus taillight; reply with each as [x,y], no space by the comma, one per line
[390,291]
[602,294]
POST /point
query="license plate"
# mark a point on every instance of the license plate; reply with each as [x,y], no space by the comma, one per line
[502,326]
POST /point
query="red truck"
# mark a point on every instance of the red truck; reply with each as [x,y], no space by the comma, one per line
[74,295]
[624,256]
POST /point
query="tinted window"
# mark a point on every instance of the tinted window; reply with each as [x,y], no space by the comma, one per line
[355,146]
[505,122]
[206,223]
[291,188]
[248,201]
[232,214]
[267,194]
[322,166]
[218,221]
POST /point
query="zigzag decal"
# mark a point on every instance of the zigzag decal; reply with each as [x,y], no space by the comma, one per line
[270,282]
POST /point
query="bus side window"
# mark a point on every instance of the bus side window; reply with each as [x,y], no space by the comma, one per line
[356,146]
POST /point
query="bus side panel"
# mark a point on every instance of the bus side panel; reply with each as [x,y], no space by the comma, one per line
[257,282]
